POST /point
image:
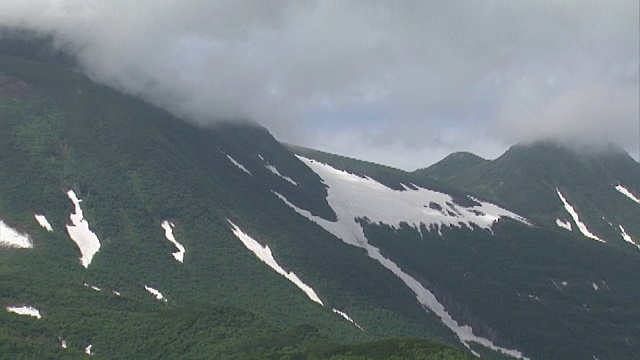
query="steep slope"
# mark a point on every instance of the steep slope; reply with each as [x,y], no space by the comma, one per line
[452,164]
[89,160]
[592,190]
[519,286]
[147,236]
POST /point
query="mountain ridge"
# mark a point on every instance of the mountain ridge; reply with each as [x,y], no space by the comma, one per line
[136,169]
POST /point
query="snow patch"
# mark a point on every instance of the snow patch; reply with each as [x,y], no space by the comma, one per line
[626,236]
[352,197]
[240,166]
[274,170]
[576,218]
[564,224]
[624,191]
[12,238]
[347,317]
[168,233]
[264,253]
[25,310]
[42,220]
[155,293]
[95,288]
[79,232]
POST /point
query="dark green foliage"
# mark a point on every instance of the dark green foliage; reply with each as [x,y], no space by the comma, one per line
[134,165]
[525,178]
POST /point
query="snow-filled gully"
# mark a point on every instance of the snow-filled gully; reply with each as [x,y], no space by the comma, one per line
[264,254]
[624,191]
[79,232]
[168,233]
[237,164]
[576,218]
[353,197]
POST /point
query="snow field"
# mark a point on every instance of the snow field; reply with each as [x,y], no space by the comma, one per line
[353,197]
[168,233]
[12,238]
[79,232]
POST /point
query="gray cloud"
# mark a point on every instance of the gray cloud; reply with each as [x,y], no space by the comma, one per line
[397,82]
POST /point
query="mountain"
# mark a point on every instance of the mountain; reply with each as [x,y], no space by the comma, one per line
[543,180]
[126,232]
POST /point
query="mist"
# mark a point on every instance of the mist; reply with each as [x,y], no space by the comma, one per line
[401,83]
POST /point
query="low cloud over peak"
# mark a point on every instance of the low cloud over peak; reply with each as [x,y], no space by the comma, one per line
[402,83]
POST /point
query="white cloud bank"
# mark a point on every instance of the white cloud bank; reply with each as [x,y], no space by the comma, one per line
[416,79]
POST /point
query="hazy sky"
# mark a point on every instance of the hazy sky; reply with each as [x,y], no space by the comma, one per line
[398,82]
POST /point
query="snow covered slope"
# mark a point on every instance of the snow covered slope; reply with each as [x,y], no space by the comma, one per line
[353,197]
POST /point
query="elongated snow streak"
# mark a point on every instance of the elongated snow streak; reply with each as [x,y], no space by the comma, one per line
[11,238]
[576,218]
[79,232]
[353,197]
[94,288]
[25,310]
[627,193]
[42,220]
[274,170]
[564,224]
[240,166]
[626,236]
[155,293]
[264,253]
[347,317]
[168,233]
[87,350]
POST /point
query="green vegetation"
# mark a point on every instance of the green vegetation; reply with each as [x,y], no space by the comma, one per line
[135,165]
[525,178]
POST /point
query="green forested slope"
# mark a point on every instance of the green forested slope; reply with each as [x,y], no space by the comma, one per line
[134,166]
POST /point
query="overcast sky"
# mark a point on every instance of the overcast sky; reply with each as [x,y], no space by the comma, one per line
[398,82]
